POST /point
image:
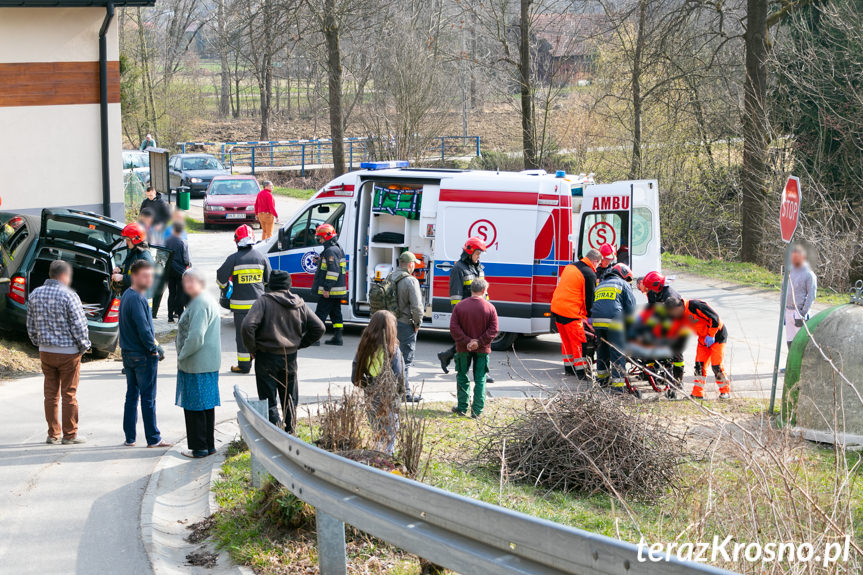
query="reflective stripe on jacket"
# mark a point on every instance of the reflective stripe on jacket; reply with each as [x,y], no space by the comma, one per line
[250,270]
[332,267]
[461,276]
[613,303]
[573,296]
[702,319]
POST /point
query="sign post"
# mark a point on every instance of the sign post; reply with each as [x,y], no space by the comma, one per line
[789,214]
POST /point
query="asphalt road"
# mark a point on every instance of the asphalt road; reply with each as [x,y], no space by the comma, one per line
[75,509]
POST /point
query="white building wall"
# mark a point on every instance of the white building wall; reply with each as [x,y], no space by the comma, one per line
[50,155]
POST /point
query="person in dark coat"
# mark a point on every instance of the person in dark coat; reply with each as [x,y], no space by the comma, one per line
[277,326]
[180,262]
[161,211]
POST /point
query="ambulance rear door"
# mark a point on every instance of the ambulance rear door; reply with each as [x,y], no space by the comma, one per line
[625,214]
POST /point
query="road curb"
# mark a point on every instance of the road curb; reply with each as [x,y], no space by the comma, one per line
[178,495]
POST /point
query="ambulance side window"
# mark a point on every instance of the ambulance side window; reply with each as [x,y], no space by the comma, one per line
[301,233]
[599,228]
[642,230]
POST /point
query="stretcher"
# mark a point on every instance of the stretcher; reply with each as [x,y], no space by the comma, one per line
[647,361]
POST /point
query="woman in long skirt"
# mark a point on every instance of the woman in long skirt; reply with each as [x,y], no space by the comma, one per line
[199,356]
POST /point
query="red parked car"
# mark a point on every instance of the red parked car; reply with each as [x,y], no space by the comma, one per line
[230,200]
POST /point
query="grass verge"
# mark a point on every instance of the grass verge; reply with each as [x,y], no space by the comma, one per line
[194,226]
[719,491]
[738,272]
[273,532]
[294,192]
[18,357]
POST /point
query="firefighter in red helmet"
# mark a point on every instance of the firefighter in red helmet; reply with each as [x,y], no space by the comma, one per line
[330,283]
[466,269]
[248,271]
[136,243]
[609,258]
[656,317]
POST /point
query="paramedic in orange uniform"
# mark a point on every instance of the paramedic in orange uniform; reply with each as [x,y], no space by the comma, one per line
[570,306]
[699,317]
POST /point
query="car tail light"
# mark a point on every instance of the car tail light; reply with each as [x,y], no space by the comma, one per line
[113,313]
[18,289]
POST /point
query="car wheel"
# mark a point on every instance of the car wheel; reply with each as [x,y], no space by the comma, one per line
[504,341]
[99,353]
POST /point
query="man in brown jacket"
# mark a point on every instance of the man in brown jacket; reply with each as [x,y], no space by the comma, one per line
[473,326]
[278,324]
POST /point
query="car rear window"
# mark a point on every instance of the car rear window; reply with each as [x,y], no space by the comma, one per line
[234,187]
[82,231]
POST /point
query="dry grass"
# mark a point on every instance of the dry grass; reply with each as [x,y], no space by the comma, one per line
[340,422]
[18,357]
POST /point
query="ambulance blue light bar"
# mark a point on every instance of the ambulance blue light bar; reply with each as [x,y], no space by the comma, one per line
[385,165]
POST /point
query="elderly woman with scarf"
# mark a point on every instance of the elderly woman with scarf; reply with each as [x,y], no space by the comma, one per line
[198,362]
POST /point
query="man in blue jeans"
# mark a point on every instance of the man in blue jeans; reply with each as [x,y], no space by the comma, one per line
[140,356]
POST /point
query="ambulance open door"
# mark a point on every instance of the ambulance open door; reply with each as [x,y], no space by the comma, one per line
[625,214]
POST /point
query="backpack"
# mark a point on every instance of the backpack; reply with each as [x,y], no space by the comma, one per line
[384,294]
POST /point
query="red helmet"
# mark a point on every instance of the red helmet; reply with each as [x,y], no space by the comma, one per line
[135,232]
[608,251]
[326,232]
[473,244]
[654,281]
[622,270]
[244,232]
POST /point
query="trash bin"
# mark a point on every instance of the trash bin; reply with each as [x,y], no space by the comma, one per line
[183,197]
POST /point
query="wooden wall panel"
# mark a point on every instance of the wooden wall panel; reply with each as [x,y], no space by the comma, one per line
[55,83]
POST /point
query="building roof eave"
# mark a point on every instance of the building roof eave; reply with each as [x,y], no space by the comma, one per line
[71,3]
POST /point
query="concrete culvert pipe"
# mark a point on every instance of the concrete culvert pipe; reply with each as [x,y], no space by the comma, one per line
[823,401]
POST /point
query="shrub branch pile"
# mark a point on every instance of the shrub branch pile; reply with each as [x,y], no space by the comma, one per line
[585,443]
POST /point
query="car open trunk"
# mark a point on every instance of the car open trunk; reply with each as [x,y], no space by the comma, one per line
[90,278]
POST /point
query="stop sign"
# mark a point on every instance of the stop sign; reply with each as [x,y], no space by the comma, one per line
[789,209]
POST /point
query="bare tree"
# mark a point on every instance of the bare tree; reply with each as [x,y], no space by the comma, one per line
[270,28]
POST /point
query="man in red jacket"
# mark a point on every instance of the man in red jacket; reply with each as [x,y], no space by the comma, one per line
[265,210]
[473,325]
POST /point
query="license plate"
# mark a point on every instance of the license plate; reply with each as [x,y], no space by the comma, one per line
[235,216]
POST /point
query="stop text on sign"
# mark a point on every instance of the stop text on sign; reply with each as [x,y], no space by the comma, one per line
[789,209]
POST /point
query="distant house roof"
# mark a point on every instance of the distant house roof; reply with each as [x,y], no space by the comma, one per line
[71,3]
[570,33]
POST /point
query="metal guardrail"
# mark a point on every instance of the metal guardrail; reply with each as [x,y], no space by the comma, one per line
[304,155]
[456,532]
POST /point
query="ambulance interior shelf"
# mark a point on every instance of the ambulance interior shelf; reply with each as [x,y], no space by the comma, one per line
[394,228]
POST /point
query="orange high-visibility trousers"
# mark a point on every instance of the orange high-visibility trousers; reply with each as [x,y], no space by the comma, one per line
[571,337]
[713,357]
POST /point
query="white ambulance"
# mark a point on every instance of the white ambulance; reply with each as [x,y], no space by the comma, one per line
[534,223]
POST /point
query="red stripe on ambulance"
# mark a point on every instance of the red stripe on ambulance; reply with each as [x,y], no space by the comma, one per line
[489,197]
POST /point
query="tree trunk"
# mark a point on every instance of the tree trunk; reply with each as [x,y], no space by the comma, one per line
[225,70]
[637,102]
[146,79]
[528,135]
[755,127]
[265,80]
[334,81]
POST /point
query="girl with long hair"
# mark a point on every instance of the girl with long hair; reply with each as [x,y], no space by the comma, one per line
[379,369]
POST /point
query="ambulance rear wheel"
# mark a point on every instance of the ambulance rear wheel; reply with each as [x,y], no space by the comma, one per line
[504,341]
